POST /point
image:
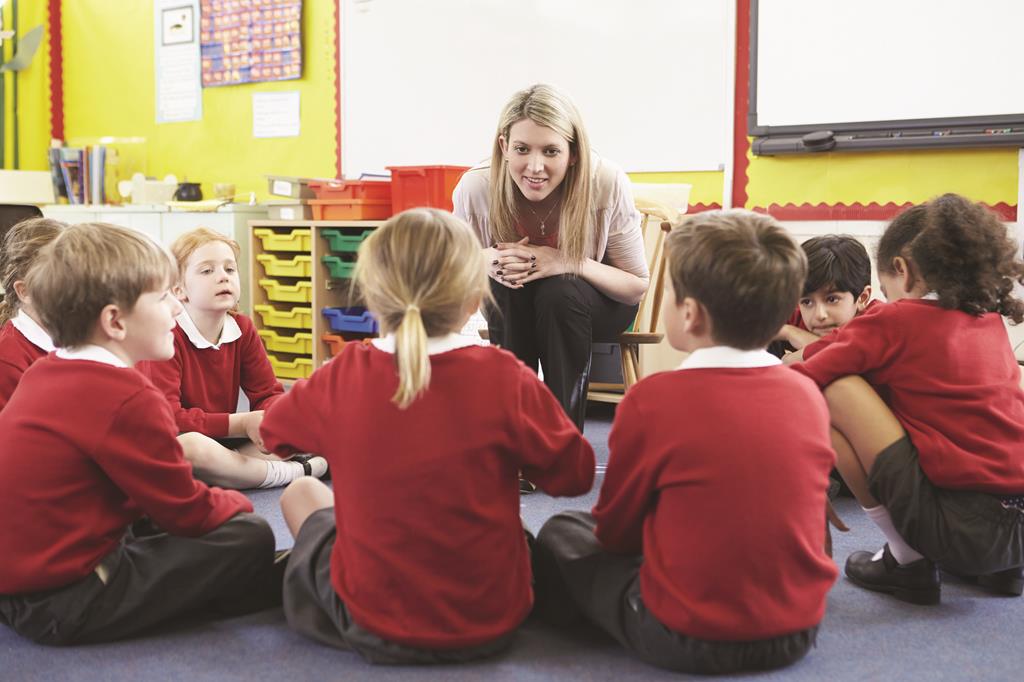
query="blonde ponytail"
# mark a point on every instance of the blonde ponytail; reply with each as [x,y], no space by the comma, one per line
[418,273]
[411,355]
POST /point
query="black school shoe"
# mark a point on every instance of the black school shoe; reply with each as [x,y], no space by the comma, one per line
[1009,582]
[916,582]
[526,487]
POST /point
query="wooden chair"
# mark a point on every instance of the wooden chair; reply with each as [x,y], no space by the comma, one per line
[630,341]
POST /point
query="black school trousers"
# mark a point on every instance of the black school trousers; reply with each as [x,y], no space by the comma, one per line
[555,321]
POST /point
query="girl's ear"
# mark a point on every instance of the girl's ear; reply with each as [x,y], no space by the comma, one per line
[503,143]
[179,293]
[21,291]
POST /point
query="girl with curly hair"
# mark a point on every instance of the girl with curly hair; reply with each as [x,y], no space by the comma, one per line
[926,405]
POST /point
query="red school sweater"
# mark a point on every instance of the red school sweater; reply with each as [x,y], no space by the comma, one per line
[202,384]
[81,462]
[17,353]
[724,494]
[430,550]
[950,379]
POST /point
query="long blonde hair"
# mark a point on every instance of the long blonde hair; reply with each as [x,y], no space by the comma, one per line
[546,106]
[21,244]
[417,273]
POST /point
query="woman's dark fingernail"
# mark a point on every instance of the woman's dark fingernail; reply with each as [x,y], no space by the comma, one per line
[500,272]
[533,257]
[494,262]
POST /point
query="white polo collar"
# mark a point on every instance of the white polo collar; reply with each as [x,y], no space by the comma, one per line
[93,353]
[435,344]
[728,357]
[931,296]
[231,331]
[31,330]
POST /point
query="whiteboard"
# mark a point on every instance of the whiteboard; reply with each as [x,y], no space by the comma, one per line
[423,82]
[886,60]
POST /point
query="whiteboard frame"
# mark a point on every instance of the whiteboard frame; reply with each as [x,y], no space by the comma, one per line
[351,161]
[961,131]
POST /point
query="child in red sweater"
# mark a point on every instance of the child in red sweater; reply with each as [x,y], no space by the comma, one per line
[705,551]
[930,435]
[70,572]
[837,289]
[22,339]
[419,573]
[217,352]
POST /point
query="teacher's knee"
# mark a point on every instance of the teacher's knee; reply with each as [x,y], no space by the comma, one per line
[560,297]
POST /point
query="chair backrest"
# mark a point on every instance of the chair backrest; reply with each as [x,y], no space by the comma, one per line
[12,214]
[656,266]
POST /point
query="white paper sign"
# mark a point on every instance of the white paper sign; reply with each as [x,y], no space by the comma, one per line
[275,114]
[179,92]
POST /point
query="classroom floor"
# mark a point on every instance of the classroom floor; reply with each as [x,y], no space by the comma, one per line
[865,636]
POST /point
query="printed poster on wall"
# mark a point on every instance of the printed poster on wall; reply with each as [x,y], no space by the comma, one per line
[179,93]
[248,41]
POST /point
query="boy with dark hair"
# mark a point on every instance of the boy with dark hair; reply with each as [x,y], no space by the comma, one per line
[837,289]
[70,572]
[748,591]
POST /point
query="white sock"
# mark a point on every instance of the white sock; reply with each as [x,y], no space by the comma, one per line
[901,551]
[280,473]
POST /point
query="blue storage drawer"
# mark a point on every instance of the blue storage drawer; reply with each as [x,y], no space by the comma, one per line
[357,320]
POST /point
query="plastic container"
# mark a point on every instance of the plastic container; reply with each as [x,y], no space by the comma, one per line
[351,209]
[352,320]
[295,318]
[334,343]
[300,292]
[299,266]
[289,210]
[299,368]
[343,241]
[290,186]
[339,268]
[414,186]
[337,190]
[300,343]
[297,239]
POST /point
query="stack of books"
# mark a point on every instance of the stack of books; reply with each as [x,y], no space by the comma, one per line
[78,173]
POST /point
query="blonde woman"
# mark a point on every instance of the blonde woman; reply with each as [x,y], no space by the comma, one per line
[397,576]
[561,239]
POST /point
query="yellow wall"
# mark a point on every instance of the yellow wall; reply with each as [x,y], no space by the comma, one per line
[109,91]
[33,93]
[987,175]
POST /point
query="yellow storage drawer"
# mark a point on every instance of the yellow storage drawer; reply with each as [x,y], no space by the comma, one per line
[300,292]
[296,318]
[297,239]
[300,343]
[299,368]
[299,266]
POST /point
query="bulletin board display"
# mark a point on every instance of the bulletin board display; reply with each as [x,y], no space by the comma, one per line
[250,41]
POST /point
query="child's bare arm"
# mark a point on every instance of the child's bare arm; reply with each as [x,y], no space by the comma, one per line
[796,337]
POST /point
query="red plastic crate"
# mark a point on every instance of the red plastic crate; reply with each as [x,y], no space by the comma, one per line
[351,209]
[336,190]
[415,186]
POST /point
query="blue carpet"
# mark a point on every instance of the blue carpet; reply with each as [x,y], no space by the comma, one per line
[865,636]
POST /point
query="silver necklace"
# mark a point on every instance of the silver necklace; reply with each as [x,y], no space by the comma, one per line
[543,220]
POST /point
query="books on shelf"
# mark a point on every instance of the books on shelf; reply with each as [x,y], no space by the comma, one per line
[78,173]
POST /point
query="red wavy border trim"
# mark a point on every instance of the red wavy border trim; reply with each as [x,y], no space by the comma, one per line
[56,72]
[859,211]
[700,208]
[337,84]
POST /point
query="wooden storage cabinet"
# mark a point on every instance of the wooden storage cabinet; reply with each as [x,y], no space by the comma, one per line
[294,263]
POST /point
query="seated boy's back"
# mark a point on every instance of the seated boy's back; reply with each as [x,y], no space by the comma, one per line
[729,493]
[76,457]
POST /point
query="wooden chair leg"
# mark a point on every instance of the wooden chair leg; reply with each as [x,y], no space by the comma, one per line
[628,366]
[634,353]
